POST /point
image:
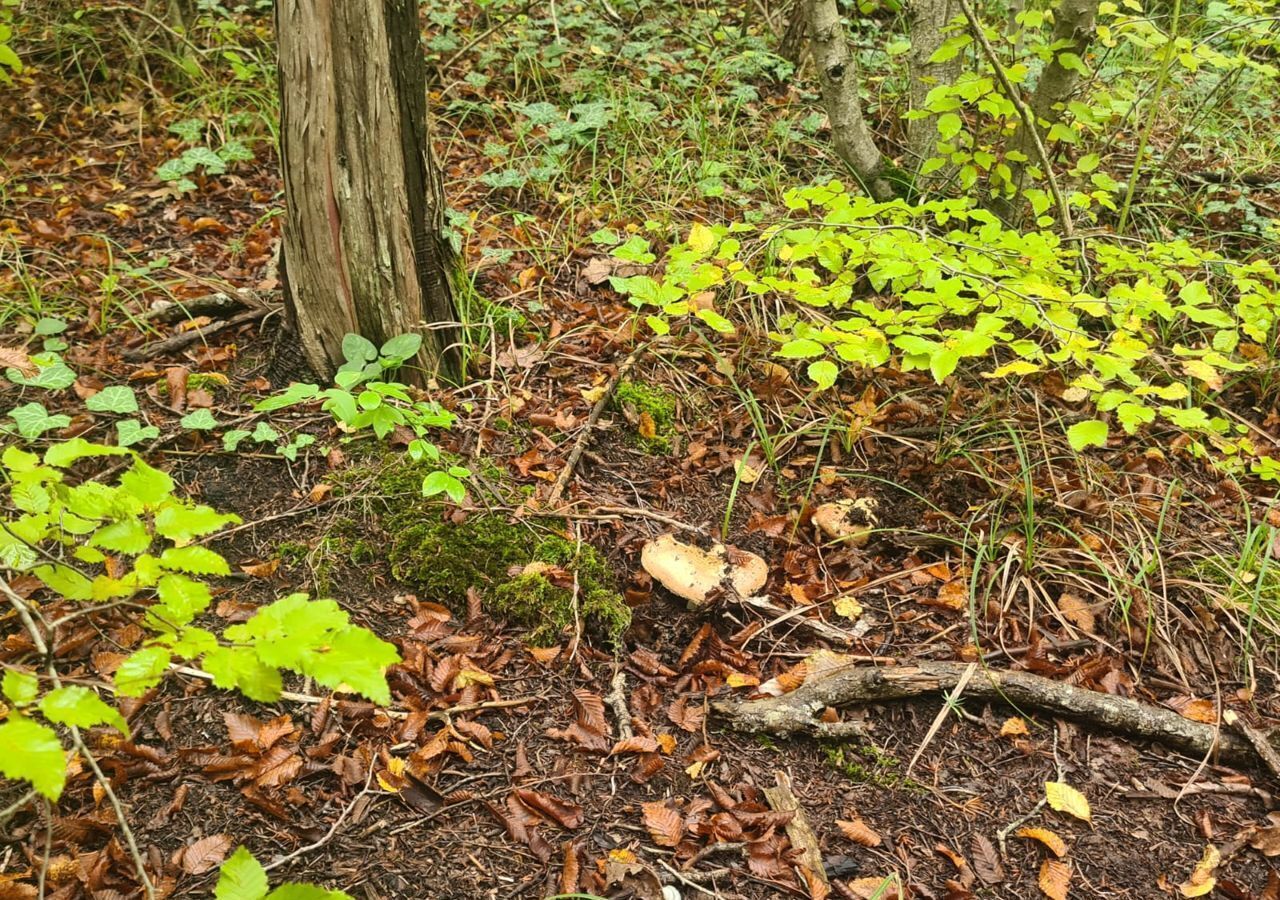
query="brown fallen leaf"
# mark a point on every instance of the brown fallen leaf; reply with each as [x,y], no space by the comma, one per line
[1013,727]
[637,743]
[1077,612]
[566,815]
[1055,878]
[1055,844]
[986,861]
[665,825]
[203,855]
[859,832]
[1202,881]
[1266,838]
[16,358]
[262,569]
[880,888]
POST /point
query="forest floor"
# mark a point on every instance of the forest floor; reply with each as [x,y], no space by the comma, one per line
[996,544]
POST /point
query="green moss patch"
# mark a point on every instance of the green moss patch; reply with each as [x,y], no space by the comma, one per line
[526,573]
[636,399]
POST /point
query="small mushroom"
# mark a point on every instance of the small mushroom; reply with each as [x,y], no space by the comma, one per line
[849,521]
[693,573]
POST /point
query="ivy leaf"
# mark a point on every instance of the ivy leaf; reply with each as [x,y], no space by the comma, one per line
[1092,433]
[115,399]
[241,878]
[200,420]
[34,420]
[131,431]
[141,671]
[77,705]
[31,751]
[19,688]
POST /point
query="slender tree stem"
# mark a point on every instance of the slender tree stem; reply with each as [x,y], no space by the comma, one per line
[1161,81]
[1024,111]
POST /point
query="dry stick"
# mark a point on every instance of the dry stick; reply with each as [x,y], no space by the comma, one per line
[13,808]
[783,799]
[562,480]
[1028,120]
[617,699]
[799,711]
[37,640]
[182,339]
[941,717]
[333,829]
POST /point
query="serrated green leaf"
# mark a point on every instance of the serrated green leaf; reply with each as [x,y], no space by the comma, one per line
[241,878]
[64,454]
[77,705]
[181,523]
[146,484]
[65,581]
[800,348]
[117,398]
[19,688]
[356,659]
[31,752]
[141,671]
[129,536]
[240,668]
[181,599]
[196,560]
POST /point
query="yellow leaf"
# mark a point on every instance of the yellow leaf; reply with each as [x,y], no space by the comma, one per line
[593,395]
[747,473]
[1198,368]
[1013,727]
[1046,837]
[1064,798]
[738,679]
[1055,875]
[848,607]
[1202,881]
[472,676]
[702,238]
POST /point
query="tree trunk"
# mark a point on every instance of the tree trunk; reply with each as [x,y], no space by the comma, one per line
[364,243]
[929,19]
[1072,33]
[838,78]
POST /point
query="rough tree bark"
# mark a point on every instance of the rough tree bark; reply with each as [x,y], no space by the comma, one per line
[929,20]
[1072,33]
[838,78]
[364,244]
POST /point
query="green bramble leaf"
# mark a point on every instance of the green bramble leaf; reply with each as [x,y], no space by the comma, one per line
[31,752]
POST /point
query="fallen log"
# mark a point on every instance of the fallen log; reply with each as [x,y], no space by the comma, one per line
[799,712]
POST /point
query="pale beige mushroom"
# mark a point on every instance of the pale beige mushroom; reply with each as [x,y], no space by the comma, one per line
[693,573]
[849,521]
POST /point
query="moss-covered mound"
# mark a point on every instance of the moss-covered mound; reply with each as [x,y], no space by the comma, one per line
[527,573]
[640,401]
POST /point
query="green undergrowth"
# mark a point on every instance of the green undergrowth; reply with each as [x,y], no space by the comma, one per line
[525,572]
[638,400]
[868,764]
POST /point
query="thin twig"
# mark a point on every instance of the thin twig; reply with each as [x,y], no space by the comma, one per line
[328,836]
[562,480]
[1028,120]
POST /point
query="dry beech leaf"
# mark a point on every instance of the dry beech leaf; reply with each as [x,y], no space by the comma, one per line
[1064,798]
[881,888]
[1077,612]
[1202,880]
[566,815]
[205,854]
[665,825]
[638,743]
[859,832]
[1266,838]
[1055,878]
[16,358]
[1046,837]
[1013,727]
[986,861]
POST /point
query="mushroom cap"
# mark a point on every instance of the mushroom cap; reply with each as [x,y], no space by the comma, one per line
[692,573]
[850,521]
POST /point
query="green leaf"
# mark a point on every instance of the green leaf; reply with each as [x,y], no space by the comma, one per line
[115,399]
[943,363]
[18,687]
[291,396]
[401,347]
[128,536]
[200,420]
[949,125]
[181,599]
[635,250]
[823,373]
[77,705]
[64,454]
[800,348]
[356,660]
[1092,433]
[146,484]
[239,668]
[181,523]
[241,878]
[131,431]
[34,420]
[358,350]
[141,671]
[263,433]
[31,751]
[443,483]
[196,560]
